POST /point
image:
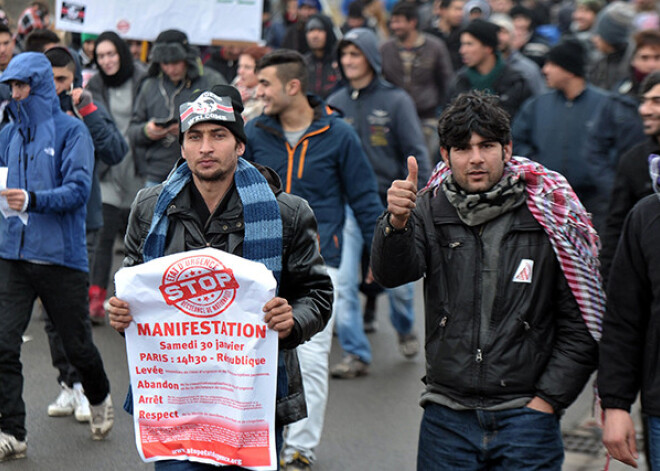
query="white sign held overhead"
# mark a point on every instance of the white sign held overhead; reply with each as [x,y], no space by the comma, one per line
[202,20]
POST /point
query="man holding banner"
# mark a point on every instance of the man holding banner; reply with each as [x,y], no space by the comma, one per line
[216,199]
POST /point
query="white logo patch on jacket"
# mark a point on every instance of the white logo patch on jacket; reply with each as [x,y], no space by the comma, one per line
[524,271]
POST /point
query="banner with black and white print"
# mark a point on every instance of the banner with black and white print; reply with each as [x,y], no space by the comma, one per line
[202,20]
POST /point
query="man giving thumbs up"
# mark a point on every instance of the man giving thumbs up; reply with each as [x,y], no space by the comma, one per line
[507,348]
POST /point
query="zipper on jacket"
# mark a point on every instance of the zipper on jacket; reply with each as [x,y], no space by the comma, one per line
[442,325]
[478,357]
[23,155]
[291,155]
[499,298]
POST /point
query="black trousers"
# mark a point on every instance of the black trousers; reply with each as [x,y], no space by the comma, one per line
[66,373]
[115,221]
[63,292]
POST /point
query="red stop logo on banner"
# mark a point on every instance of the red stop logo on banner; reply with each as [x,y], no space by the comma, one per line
[200,286]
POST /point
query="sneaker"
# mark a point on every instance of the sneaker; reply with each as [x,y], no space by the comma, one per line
[408,345]
[102,418]
[82,411]
[349,367]
[11,448]
[370,327]
[65,403]
[96,307]
[298,463]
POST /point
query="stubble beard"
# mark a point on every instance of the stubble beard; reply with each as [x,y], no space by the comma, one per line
[217,176]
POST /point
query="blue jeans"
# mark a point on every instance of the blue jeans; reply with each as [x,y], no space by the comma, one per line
[349,321]
[653,423]
[522,439]
[177,465]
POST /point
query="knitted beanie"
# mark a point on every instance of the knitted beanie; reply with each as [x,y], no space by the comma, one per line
[569,54]
[223,104]
[310,3]
[615,23]
[84,37]
[484,31]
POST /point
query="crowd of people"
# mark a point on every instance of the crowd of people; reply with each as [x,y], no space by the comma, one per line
[483,145]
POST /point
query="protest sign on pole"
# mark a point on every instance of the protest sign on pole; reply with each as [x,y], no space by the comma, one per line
[204,21]
[202,362]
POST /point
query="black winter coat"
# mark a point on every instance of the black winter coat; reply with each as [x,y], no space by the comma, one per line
[304,283]
[630,347]
[631,184]
[537,343]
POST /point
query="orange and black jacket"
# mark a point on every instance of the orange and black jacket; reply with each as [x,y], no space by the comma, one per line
[327,167]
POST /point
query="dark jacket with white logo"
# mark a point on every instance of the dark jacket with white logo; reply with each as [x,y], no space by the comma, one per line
[304,283]
[536,344]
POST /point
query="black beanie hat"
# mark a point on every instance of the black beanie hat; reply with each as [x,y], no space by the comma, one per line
[222,104]
[569,54]
[484,31]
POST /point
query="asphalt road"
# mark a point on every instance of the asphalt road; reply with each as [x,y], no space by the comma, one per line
[371,422]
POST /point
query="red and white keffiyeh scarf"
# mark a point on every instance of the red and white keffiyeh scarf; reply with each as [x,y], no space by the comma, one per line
[556,207]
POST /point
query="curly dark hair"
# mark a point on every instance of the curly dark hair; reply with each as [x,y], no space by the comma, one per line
[473,112]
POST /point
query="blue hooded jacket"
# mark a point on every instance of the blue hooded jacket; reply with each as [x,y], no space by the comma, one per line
[327,167]
[50,155]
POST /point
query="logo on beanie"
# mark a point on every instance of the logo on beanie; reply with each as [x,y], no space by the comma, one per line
[207,107]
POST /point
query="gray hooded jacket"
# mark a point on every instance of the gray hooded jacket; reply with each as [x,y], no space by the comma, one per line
[384,117]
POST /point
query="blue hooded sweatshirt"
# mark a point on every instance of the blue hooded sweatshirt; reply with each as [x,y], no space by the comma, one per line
[50,155]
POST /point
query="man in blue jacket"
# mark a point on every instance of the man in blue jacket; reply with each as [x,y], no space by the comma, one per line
[551,128]
[49,160]
[385,118]
[318,157]
[109,149]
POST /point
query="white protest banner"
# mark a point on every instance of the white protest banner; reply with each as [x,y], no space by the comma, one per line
[202,20]
[202,362]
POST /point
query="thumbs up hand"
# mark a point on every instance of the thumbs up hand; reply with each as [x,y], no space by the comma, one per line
[401,196]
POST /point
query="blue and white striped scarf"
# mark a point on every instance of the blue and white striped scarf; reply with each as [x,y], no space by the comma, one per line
[263,228]
[261,214]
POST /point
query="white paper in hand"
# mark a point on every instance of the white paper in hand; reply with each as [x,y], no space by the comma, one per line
[202,362]
[6,211]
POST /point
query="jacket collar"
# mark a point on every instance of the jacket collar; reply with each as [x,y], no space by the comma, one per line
[323,115]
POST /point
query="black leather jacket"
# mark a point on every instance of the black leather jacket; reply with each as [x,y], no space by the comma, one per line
[537,343]
[304,283]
